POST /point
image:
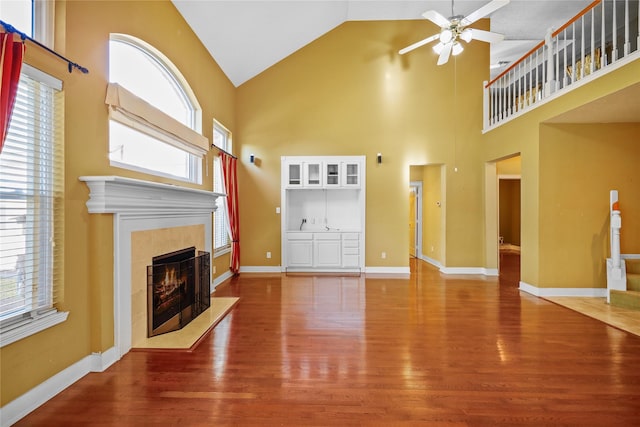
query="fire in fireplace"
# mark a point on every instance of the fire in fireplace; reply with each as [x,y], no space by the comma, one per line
[177,289]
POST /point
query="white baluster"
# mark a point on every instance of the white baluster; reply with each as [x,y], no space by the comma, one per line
[627,42]
[582,49]
[592,63]
[603,55]
[485,104]
[573,53]
[614,53]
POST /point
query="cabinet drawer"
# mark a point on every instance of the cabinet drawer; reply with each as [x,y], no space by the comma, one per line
[326,236]
[299,236]
[350,243]
[351,236]
[350,251]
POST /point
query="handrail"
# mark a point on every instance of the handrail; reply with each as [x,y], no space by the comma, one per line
[542,43]
[512,66]
[575,18]
[584,45]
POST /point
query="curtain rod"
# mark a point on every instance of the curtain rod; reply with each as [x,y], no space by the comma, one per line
[11,29]
[224,151]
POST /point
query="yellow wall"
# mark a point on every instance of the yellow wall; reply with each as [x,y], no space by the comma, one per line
[83,29]
[523,136]
[579,165]
[510,166]
[350,93]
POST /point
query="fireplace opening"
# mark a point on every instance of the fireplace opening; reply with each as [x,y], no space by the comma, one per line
[177,289]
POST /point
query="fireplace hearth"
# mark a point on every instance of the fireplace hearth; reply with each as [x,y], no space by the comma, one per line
[177,289]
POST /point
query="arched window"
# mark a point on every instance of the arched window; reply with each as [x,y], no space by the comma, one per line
[155,119]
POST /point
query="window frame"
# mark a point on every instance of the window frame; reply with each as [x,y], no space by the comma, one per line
[34,319]
[194,163]
[217,174]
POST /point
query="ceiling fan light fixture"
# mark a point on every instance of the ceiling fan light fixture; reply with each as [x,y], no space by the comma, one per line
[467,35]
[446,35]
[438,48]
[457,49]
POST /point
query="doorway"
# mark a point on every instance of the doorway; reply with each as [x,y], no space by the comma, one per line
[415,219]
[509,202]
[509,217]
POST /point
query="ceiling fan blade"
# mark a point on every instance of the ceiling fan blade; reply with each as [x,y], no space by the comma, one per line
[485,10]
[444,55]
[486,36]
[436,18]
[418,44]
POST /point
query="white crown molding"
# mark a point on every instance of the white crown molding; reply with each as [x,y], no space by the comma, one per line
[116,194]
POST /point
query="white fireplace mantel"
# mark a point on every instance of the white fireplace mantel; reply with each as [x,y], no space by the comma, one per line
[116,194]
[139,205]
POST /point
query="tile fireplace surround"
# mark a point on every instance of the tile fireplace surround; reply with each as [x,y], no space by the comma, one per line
[139,206]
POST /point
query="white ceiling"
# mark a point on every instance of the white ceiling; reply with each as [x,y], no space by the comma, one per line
[247,37]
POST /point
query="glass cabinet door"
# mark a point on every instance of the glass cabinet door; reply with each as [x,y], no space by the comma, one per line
[313,175]
[332,174]
[351,175]
[295,174]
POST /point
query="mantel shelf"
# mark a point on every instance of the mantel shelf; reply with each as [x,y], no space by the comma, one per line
[116,194]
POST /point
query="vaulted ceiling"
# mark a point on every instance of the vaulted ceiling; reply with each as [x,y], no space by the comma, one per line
[247,37]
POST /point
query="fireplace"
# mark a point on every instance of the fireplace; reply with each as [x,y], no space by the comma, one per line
[177,289]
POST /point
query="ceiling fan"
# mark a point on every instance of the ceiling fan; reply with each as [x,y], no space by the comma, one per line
[455,29]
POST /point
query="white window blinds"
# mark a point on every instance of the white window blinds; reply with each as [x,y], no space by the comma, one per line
[221,240]
[32,205]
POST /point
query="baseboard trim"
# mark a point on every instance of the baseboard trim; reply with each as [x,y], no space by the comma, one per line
[431,261]
[563,292]
[20,407]
[459,270]
[395,272]
[261,269]
[470,271]
[221,278]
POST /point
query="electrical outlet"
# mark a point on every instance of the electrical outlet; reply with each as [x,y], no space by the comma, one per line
[278,210]
[268,255]
[384,255]
[214,269]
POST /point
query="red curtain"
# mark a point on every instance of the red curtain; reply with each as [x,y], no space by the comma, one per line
[230,178]
[11,62]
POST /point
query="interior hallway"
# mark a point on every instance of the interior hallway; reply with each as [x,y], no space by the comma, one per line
[430,350]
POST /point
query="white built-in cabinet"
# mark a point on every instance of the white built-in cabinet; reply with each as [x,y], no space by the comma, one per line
[323,213]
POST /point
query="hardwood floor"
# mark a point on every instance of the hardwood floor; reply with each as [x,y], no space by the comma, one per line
[431,350]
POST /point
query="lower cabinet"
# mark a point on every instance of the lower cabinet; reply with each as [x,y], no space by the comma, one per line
[300,250]
[323,250]
[326,250]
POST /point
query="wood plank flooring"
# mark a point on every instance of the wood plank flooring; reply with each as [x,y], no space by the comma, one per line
[354,351]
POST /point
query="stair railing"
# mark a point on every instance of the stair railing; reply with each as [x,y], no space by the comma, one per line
[602,34]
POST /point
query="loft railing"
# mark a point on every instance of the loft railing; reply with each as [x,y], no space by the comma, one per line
[602,34]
